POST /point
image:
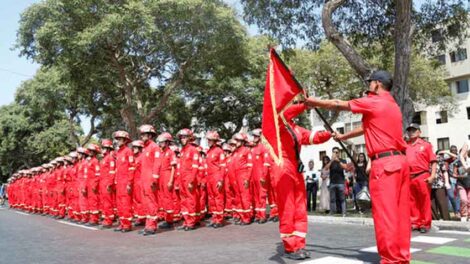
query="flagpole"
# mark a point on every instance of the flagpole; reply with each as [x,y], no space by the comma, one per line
[328,126]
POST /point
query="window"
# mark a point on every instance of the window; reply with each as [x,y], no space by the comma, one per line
[441,59]
[417,118]
[441,117]
[436,36]
[340,130]
[458,55]
[462,86]
[321,155]
[468,112]
[443,143]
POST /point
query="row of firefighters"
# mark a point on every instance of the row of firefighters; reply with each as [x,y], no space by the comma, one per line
[143,182]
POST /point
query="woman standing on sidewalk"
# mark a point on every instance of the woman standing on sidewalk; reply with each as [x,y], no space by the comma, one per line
[463,183]
[439,201]
[325,181]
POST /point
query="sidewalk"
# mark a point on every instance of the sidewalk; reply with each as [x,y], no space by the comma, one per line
[367,221]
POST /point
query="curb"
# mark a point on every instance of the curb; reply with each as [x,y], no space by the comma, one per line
[367,221]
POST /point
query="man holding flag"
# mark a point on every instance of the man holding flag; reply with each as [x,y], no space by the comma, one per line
[389,177]
[283,139]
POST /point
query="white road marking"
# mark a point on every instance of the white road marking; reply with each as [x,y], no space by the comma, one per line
[454,232]
[374,250]
[21,213]
[72,224]
[332,260]
[432,240]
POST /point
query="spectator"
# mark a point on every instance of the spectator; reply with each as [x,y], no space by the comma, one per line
[454,199]
[337,178]
[463,182]
[2,194]
[311,181]
[361,178]
[439,201]
[325,182]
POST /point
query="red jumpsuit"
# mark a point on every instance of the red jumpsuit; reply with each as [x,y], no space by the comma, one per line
[68,190]
[176,192]
[271,183]
[289,182]
[107,188]
[60,190]
[202,188]
[82,190]
[389,177]
[75,191]
[259,173]
[242,168]
[137,192]
[149,179]
[124,178]
[50,183]
[189,167]
[230,193]
[215,161]
[420,155]
[167,166]
[93,174]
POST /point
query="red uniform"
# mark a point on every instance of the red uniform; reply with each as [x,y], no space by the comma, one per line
[420,155]
[60,190]
[107,188]
[176,192]
[75,190]
[389,177]
[124,180]
[150,179]
[137,192]
[259,175]
[270,182]
[68,190]
[189,167]
[92,174]
[167,165]
[242,165]
[215,161]
[202,188]
[82,191]
[290,185]
[230,186]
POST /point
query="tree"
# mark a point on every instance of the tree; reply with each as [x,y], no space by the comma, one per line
[147,51]
[396,25]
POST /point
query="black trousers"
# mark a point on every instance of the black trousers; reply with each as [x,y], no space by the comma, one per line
[312,190]
[439,204]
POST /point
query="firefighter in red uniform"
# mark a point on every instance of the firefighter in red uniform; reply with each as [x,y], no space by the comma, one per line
[93,174]
[242,168]
[107,187]
[420,156]
[137,192]
[68,186]
[60,187]
[166,171]
[82,185]
[228,203]
[149,179]
[389,179]
[176,186]
[124,181]
[259,176]
[215,161]
[189,167]
[74,189]
[201,189]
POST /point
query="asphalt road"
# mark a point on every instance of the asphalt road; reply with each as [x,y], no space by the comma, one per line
[37,239]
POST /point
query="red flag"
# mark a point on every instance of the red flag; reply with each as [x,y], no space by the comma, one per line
[280,92]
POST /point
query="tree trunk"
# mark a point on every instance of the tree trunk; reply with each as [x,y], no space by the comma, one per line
[355,60]
[403,38]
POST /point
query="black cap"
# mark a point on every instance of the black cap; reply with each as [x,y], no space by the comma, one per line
[383,76]
[413,125]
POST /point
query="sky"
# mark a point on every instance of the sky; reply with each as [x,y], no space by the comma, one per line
[13,69]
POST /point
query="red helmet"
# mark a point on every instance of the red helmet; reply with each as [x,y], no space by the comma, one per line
[165,136]
[147,129]
[240,136]
[256,132]
[94,147]
[226,147]
[107,143]
[138,143]
[83,150]
[212,135]
[121,134]
[185,132]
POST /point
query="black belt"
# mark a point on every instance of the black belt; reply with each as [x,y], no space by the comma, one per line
[386,154]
